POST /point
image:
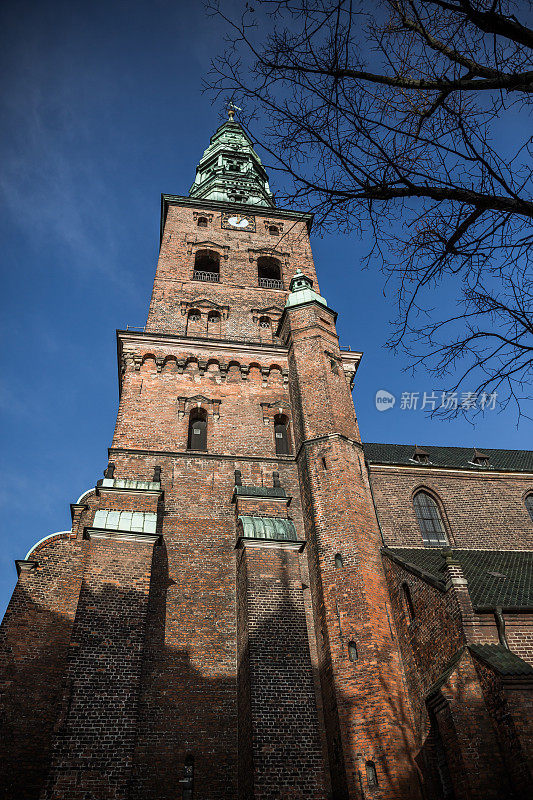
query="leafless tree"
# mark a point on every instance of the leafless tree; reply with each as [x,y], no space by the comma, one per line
[409,119]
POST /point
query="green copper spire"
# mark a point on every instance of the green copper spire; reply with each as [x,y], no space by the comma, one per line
[230,170]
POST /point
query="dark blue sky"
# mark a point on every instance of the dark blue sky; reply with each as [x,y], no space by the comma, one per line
[103,110]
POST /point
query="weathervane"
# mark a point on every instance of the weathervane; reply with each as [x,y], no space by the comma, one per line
[232,108]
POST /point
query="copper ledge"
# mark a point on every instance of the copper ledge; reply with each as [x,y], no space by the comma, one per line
[282,544]
[135,537]
[25,566]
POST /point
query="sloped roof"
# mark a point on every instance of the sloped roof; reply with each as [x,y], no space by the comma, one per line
[501,660]
[456,457]
[495,577]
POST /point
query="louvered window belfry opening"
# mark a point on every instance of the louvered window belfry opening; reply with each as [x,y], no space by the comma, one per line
[197,435]
[429,520]
[135,521]
[207,266]
[269,273]
[281,435]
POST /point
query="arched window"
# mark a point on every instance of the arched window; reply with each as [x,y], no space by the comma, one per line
[202,222]
[213,323]
[269,272]
[371,774]
[264,322]
[273,230]
[194,323]
[529,504]
[281,435]
[407,602]
[206,266]
[339,563]
[430,520]
[353,655]
[197,438]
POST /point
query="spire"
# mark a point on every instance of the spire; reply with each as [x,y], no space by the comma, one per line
[230,170]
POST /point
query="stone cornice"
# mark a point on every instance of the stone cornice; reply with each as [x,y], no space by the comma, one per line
[197,345]
[202,455]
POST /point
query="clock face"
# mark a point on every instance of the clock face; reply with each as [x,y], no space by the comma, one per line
[239,222]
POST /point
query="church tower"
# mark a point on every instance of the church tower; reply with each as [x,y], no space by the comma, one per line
[216,623]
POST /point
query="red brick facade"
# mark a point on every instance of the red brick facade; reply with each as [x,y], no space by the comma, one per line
[167,653]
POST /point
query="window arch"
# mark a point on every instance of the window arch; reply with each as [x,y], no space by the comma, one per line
[281,435]
[201,222]
[197,436]
[529,504]
[264,322]
[339,561]
[429,519]
[206,266]
[269,272]
[407,602]
[273,230]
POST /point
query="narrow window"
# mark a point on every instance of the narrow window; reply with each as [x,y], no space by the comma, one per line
[206,266]
[269,273]
[202,222]
[371,774]
[352,651]
[273,230]
[197,438]
[339,563]
[529,505]
[407,602]
[324,463]
[281,435]
[429,520]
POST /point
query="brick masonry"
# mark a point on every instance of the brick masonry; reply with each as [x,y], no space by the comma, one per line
[277,673]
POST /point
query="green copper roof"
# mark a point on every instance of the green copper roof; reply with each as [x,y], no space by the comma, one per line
[301,292]
[231,171]
[495,577]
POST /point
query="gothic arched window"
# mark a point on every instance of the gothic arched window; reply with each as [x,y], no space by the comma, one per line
[207,266]
[529,504]
[281,435]
[429,520]
[202,222]
[339,562]
[269,272]
[197,437]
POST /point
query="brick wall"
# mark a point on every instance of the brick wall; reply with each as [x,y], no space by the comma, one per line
[480,510]
[95,734]
[280,712]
